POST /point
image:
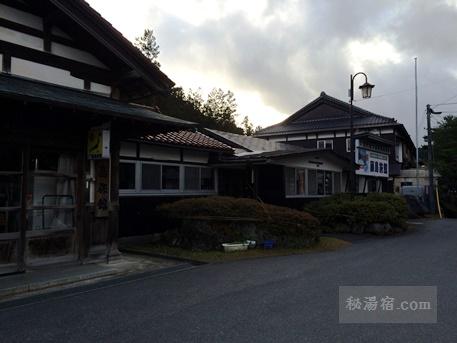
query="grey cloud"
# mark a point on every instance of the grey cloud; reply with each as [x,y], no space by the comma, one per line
[290,63]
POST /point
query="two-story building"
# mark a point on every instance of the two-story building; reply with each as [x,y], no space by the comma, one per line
[68,83]
[382,145]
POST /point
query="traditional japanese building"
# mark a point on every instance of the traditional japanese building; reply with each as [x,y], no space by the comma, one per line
[164,167]
[68,84]
[383,147]
[279,173]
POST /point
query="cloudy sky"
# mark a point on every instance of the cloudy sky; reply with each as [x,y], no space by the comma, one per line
[278,55]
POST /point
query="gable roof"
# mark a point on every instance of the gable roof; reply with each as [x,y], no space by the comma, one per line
[188,139]
[92,30]
[82,13]
[326,113]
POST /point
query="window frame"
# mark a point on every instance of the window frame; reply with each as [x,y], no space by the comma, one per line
[306,194]
[325,141]
[139,191]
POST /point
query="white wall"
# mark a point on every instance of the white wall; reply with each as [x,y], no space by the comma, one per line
[304,162]
[128,149]
[99,88]
[58,32]
[296,138]
[20,38]
[21,17]
[341,134]
[76,54]
[325,135]
[44,73]
[159,153]
[399,152]
[195,156]
[277,139]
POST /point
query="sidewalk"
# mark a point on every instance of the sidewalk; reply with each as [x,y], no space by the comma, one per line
[50,278]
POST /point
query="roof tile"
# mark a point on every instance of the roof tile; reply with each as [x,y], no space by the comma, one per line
[188,138]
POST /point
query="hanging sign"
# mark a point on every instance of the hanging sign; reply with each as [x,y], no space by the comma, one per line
[98,144]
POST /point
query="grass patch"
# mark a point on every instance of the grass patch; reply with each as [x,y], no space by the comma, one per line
[325,244]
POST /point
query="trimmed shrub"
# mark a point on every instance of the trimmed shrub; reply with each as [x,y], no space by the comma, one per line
[378,213]
[206,223]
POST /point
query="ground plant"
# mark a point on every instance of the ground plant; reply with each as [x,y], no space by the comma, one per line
[378,213]
[206,223]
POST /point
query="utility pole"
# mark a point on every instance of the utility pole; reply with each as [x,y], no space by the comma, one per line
[417,125]
[431,196]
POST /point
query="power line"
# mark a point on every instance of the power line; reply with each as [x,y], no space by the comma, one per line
[446,103]
[401,91]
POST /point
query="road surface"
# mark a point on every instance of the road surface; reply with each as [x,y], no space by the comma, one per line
[279,299]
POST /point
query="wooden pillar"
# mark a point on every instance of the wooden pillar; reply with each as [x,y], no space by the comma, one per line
[21,247]
[80,206]
[113,229]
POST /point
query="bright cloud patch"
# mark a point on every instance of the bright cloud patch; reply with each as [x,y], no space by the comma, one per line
[376,51]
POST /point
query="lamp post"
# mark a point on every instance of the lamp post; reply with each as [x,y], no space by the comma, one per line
[366,89]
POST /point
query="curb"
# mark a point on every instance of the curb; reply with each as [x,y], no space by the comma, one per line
[119,279]
[167,257]
[39,286]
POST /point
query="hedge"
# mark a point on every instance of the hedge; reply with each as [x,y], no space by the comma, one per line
[378,213]
[206,223]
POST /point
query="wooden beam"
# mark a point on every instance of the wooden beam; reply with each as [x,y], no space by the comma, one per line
[6,65]
[77,69]
[80,205]
[38,33]
[21,246]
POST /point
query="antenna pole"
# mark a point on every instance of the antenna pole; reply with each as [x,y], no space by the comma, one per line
[417,125]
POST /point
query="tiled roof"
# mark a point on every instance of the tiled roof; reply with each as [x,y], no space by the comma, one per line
[325,125]
[40,92]
[188,138]
[326,113]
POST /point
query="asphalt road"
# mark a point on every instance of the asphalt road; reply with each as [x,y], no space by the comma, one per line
[281,299]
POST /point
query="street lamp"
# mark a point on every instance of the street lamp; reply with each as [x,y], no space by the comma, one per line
[366,89]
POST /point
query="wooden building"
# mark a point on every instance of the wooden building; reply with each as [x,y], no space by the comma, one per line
[68,82]
[383,147]
[279,173]
[164,167]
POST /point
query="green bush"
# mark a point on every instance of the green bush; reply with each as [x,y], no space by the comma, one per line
[205,223]
[379,213]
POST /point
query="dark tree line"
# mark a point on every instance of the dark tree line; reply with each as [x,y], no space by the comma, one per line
[445,157]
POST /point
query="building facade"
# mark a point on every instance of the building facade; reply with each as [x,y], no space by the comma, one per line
[279,173]
[382,145]
[164,167]
[67,83]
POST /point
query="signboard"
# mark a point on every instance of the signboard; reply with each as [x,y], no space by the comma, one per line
[372,163]
[101,195]
[98,144]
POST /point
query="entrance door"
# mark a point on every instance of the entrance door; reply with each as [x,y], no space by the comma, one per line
[10,207]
